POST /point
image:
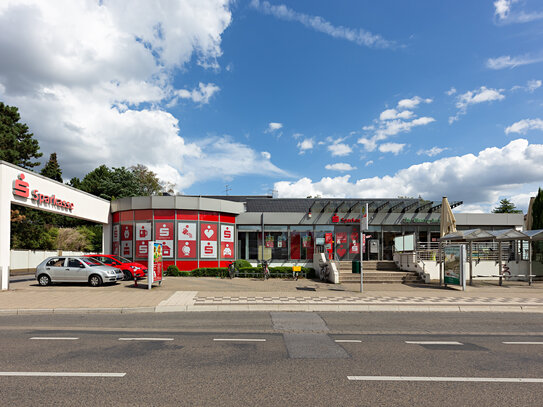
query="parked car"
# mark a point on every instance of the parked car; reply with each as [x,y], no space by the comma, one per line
[67,269]
[131,270]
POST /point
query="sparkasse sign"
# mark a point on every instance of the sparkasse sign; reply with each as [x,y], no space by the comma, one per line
[21,188]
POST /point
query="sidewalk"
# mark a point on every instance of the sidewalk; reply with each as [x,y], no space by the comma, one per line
[214,294]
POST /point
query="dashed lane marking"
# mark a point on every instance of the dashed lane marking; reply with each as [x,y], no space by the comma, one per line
[434,343]
[446,379]
[62,374]
[55,338]
[146,339]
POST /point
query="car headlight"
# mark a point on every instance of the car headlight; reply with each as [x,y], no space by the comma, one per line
[112,272]
[135,268]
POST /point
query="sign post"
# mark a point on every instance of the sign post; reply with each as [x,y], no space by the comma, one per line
[154,269]
[454,258]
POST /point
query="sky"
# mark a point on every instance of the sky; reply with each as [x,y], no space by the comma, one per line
[369,99]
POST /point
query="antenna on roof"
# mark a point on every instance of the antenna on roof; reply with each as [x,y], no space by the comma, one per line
[227,189]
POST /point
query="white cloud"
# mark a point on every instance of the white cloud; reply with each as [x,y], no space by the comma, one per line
[200,95]
[507,62]
[358,36]
[296,136]
[368,163]
[432,151]
[523,126]
[266,155]
[305,145]
[474,179]
[391,114]
[273,126]
[92,76]
[394,148]
[339,149]
[473,97]
[531,86]
[450,92]
[340,167]
[504,13]
[412,103]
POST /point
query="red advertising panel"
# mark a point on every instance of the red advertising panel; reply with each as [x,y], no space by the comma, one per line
[143,231]
[142,248]
[163,231]
[167,248]
[227,250]
[126,232]
[116,233]
[208,250]
[126,248]
[208,232]
[157,263]
[115,248]
[186,249]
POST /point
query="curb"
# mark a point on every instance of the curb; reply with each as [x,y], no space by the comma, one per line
[281,307]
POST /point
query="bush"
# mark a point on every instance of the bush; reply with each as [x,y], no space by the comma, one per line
[242,263]
[172,270]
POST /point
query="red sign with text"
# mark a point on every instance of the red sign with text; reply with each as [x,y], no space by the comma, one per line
[164,231]
[208,231]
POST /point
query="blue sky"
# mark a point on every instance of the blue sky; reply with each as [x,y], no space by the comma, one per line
[354,99]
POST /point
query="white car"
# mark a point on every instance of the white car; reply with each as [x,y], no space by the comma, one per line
[67,269]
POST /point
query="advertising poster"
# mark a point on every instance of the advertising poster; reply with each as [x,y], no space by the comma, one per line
[269,241]
[115,248]
[142,248]
[307,242]
[155,264]
[126,248]
[208,231]
[355,247]
[163,231]
[341,237]
[186,243]
[453,265]
[208,250]
[116,233]
[143,231]
[126,232]
[227,233]
[281,241]
[227,250]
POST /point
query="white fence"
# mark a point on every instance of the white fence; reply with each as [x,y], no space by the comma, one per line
[25,261]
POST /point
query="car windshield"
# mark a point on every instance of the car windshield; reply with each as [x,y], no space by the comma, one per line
[121,259]
[91,262]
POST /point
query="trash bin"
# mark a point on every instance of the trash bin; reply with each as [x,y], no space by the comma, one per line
[356,266]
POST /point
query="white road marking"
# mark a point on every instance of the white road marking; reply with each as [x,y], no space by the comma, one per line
[348,341]
[55,338]
[238,340]
[523,343]
[62,374]
[434,342]
[146,339]
[446,379]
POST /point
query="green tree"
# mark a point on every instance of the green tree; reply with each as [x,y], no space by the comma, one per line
[537,211]
[17,145]
[52,169]
[506,206]
[148,182]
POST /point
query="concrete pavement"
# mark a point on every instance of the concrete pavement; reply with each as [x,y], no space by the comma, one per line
[213,294]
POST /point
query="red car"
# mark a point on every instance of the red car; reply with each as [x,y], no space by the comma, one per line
[130,269]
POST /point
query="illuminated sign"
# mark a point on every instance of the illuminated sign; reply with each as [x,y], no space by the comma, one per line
[21,188]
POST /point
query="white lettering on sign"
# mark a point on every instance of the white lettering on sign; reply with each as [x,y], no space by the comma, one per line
[227,233]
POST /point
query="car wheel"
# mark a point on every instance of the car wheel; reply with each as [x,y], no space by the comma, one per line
[95,280]
[127,275]
[44,280]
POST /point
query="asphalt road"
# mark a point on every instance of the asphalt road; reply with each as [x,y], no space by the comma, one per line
[272,359]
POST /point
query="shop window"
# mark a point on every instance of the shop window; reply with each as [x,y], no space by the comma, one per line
[301,243]
[276,244]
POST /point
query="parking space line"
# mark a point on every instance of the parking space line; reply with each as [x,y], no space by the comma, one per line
[238,340]
[55,338]
[446,379]
[523,343]
[146,339]
[348,341]
[434,343]
[62,374]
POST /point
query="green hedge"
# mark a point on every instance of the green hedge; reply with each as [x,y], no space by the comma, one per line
[280,272]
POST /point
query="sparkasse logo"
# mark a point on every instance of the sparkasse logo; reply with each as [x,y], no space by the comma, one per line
[21,189]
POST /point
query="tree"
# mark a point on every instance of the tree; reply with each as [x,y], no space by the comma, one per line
[506,206]
[148,182]
[537,211]
[17,145]
[52,169]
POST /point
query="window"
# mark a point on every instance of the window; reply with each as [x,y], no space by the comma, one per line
[56,262]
[301,243]
[276,242]
[74,263]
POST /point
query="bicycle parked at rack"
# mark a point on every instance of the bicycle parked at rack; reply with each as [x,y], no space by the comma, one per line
[265,269]
[233,270]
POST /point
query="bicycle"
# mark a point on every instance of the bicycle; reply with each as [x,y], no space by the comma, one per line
[232,270]
[324,272]
[265,269]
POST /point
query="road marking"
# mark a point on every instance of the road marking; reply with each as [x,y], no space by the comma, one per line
[55,338]
[446,379]
[434,342]
[523,343]
[146,339]
[348,341]
[62,374]
[238,340]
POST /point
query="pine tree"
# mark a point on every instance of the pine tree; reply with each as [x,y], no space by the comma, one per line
[17,145]
[52,169]
[506,206]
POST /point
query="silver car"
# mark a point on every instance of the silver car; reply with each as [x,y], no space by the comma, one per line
[67,269]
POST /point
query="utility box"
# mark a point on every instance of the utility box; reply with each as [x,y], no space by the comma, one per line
[356,266]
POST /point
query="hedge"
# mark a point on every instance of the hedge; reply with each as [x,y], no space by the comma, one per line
[280,272]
